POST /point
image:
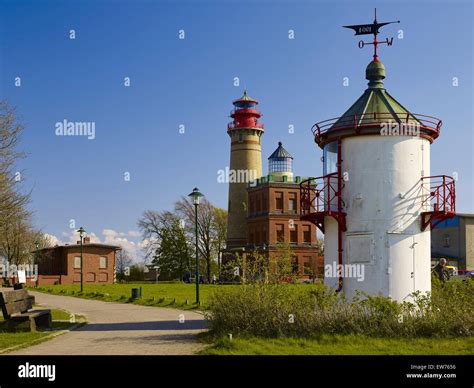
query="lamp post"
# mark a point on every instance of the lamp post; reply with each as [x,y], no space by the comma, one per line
[195,195]
[81,233]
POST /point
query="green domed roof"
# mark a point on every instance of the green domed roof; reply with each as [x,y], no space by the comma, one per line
[375,100]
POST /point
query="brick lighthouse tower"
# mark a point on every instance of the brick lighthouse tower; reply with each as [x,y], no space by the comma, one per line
[245,165]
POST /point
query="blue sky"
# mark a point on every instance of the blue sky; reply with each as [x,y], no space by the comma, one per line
[191,82]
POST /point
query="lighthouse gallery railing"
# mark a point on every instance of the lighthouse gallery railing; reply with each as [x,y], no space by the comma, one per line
[440,201]
[427,123]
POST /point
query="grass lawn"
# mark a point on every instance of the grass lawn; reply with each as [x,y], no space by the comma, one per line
[153,294]
[161,294]
[9,338]
[338,345]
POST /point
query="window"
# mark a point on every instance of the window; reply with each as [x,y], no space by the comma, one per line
[278,164]
[257,237]
[292,205]
[330,158]
[279,200]
[241,138]
[447,241]
[103,262]
[294,235]
[295,266]
[307,265]
[280,232]
[265,203]
[259,205]
[264,236]
[252,205]
[251,238]
[307,234]
[77,262]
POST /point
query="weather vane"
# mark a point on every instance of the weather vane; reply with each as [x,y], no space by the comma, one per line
[367,29]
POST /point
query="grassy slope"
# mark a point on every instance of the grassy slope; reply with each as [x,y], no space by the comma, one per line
[340,345]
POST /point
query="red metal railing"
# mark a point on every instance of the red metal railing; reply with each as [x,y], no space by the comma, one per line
[441,193]
[233,125]
[440,201]
[375,119]
[319,195]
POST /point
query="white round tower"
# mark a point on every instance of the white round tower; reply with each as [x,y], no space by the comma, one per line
[376,201]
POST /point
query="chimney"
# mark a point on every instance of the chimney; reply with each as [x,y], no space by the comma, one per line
[86,240]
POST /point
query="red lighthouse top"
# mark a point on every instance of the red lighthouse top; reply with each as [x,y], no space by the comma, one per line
[245,114]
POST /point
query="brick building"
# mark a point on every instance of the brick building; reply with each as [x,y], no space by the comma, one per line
[62,264]
[273,215]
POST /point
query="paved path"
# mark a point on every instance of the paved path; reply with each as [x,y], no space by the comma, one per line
[118,328]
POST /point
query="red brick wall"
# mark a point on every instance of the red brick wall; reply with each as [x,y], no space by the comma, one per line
[262,226]
[91,272]
[56,265]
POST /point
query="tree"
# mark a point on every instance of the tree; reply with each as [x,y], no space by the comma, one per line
[283,263]
[212,229]
[184,208]
[172,256]
[220,230]
[123,262]
[151,224]
[137,272]
[16,232]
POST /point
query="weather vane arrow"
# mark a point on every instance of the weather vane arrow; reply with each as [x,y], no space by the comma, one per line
[367,29]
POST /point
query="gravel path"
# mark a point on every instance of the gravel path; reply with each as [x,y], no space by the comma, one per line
[118,328]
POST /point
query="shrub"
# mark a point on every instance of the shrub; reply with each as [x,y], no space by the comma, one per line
[272,310]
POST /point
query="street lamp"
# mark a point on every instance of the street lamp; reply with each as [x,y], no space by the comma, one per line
[81,233]
[195,195]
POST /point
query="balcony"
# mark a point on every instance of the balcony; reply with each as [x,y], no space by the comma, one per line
[440,201]
[321,197]
[235,125]
[354,123]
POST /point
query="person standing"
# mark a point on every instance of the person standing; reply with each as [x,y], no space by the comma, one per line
[441,271]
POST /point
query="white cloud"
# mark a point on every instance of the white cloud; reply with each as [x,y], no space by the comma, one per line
[53,239]
[109,236]
[134,233]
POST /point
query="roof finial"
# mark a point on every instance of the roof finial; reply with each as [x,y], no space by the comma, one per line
[365,29]
[280,144]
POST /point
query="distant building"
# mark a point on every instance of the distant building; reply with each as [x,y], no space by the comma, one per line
[62,264]
[453,239]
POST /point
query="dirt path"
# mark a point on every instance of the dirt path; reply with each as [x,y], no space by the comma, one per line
[118,328]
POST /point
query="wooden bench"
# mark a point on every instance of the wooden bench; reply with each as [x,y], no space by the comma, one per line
[15,307]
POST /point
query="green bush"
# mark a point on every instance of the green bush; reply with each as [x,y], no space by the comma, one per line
[273,310]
